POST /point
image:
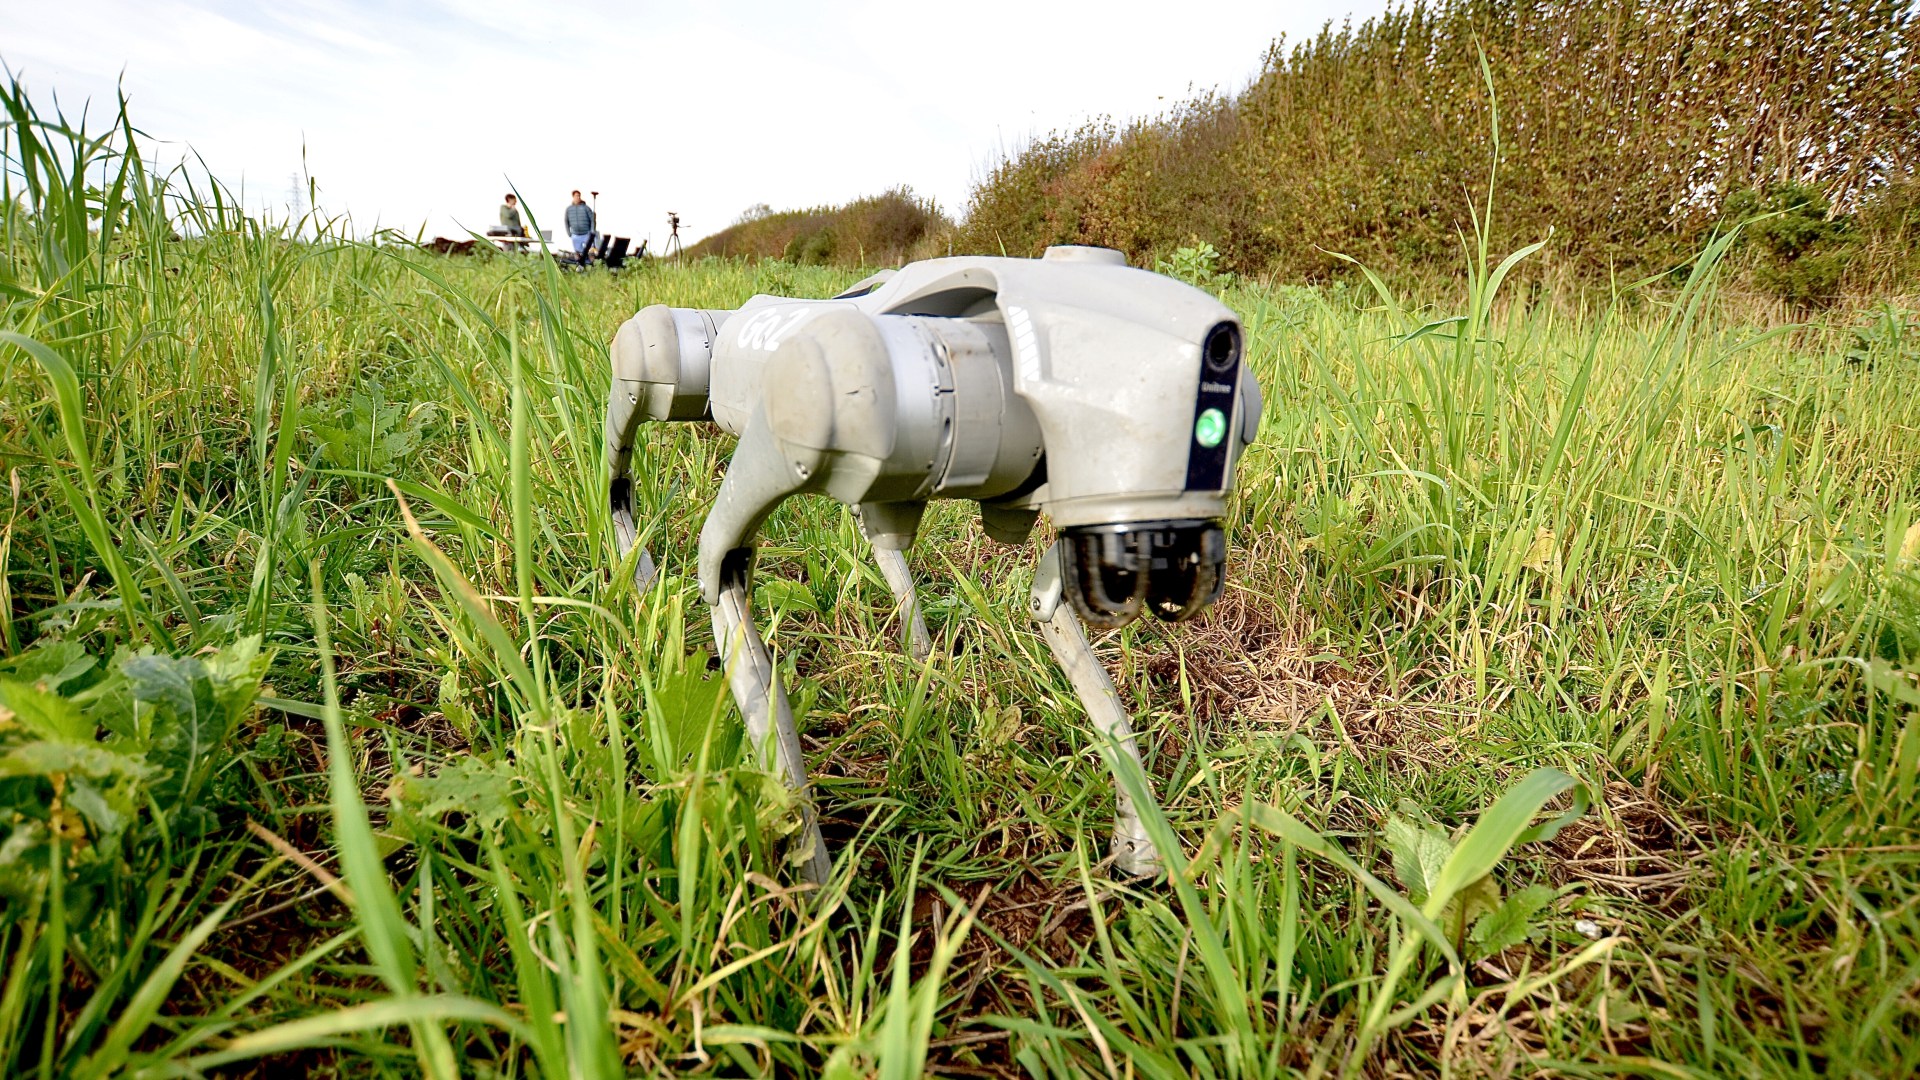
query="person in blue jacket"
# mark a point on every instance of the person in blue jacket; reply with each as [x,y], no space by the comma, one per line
[580,224]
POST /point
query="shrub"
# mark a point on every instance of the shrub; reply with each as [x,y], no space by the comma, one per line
[874,231]
[1804,248]
[1196,264]
[1621,130]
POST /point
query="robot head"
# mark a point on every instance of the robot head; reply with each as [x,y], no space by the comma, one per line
[1111,398]
[1143,403]
[1174,567]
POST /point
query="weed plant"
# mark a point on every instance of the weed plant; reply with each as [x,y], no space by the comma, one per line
[1560,716]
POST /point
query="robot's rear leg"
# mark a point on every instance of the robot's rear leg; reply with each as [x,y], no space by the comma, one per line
[889,528]
[763,703]
[1134,853]
[913,628]
[643,571]
[626,534]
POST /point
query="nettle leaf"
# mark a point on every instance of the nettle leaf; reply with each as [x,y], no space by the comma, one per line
[691,707]
[51,664]
[336,445]
[1481,896]
[44,714]
[1512,922]
[481,791]
[1418,854]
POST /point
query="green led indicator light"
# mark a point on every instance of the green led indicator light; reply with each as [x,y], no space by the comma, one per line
[1210,428]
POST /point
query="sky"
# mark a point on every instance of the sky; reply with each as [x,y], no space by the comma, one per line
[420,115]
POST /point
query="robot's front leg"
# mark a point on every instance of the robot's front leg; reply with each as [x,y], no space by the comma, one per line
[1133,851]
[759,477]
[626,533]
[763,705]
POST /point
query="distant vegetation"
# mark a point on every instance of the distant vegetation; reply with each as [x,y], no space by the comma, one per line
[1629,131]
[878,230]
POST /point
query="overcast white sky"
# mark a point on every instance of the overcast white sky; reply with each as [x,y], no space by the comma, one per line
[424,112]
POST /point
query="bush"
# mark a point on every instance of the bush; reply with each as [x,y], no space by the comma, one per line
[811,249]
[879,230]
[1804,249]
[1196,264]
[1621,130]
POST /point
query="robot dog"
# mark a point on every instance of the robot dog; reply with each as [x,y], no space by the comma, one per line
[1110,397]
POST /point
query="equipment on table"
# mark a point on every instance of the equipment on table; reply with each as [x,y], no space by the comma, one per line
[1112,398]
[611,252]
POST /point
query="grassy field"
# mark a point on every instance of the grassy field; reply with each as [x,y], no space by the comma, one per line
[332,740]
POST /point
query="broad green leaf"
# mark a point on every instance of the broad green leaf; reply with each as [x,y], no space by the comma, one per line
[1296,832]
[52,664]
[163,681]
[235,673]
[1512,922]
[1418,853]
[107,810]
[482,791]
[693,711]
[182,725]
[43,713]
[778,594]
[48,757]
[1495,834]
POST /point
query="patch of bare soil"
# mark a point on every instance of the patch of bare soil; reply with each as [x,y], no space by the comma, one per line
[1253,659]
[1049,921]
[1631,845]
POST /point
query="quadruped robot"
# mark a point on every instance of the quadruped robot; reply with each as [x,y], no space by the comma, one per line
[1112,398]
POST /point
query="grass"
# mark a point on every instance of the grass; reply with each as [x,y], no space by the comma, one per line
[333,741]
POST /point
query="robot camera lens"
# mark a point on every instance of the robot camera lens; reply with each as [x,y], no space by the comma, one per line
[1187,572]
[1174,568]
[1104,574]
[1221,350]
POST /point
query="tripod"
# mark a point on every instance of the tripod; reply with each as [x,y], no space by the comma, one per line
[673,247]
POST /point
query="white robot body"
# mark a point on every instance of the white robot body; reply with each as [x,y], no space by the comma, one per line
[1111,398]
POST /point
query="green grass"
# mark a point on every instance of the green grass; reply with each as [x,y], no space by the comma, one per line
[334,740]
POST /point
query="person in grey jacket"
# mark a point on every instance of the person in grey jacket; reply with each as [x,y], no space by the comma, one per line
[580,224]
